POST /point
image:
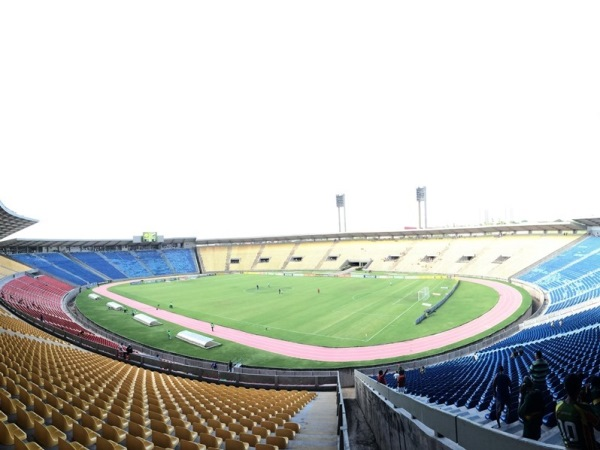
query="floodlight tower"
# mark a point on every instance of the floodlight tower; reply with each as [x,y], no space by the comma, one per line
[340,201]
[422,198]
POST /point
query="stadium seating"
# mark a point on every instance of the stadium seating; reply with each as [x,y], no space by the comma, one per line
[570,278]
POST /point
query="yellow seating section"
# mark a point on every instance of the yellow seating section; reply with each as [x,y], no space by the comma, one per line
[54,395]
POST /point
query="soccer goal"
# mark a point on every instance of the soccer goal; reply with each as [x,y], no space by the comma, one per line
[423,294]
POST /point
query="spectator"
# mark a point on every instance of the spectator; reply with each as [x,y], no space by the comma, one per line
[538,371]
[400,377]
[381,376]
[595,393]
[531,409]
[230,366]
[576,420]
[501,390]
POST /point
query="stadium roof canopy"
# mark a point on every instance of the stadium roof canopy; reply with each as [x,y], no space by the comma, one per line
[520,228]
[11,222]
[34,244]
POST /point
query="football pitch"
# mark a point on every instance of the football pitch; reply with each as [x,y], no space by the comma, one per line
[315,310]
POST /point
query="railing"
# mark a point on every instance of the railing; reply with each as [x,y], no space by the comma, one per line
[442,424]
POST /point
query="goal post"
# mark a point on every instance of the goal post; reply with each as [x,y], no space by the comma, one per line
[423,294]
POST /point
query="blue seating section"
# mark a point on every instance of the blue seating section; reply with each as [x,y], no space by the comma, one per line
[182,260]
[569,345]
[154,261]
[571,277]
[98,262]
[82,268]
[67,264]
[467,381]
[36,261]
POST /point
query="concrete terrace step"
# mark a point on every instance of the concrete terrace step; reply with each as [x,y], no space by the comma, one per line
[318,421]
[549,435]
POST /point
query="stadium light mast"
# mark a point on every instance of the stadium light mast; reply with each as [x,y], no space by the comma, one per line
[422,198]
[340,202]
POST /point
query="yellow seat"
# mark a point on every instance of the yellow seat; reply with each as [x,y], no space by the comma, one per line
[69,445]
[279,441]
[20,445]
[84,435]
[164,440]
[142,411]
[163,427]
[8,405]
[25,397]
[113,433]
[97,412]
[137,443]
[139,430]
[261,431]
[206,414]
[106,444]
[214,423]
[290,434]
[234,444]
[292,426]
[103,404]
[179,422]
[91,422]
[9,432]
[80,404]
[41,408]
[27,419]
[251,439]
[209,440]
[248,423]
[256,418]
[237,428]
[186,434]
[62,422]
[266,447]
[277,420]
[269,425]
[201,428]
[115,420]
[72,411]
[188,445]
[11,386]
[224,434]
[47,435]
[138,418]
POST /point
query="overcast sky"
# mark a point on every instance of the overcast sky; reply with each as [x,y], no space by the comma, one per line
[241,119]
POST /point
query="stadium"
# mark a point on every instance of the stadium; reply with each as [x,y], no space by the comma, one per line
[290,358]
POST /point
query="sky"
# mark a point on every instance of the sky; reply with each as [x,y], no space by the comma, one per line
[247,118]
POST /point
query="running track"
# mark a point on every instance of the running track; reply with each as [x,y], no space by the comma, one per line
[509,301]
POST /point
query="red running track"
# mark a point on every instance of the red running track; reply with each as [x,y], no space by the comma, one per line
[509,301]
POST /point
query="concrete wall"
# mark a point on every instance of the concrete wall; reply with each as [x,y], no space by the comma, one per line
[395,429]
[401,422]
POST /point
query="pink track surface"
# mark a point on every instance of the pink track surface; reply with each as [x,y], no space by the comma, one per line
[509,301]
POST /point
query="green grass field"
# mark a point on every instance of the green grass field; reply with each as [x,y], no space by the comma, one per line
[326,311]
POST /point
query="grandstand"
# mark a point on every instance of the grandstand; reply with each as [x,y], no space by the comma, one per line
[148,400]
